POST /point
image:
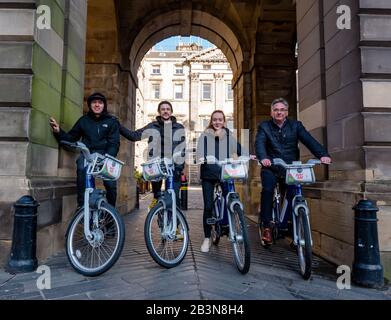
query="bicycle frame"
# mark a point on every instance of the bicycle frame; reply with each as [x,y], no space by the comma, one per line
[296,202]
[89,188]
[166,203]
[226,201]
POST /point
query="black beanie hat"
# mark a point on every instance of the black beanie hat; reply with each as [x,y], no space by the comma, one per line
[97,96]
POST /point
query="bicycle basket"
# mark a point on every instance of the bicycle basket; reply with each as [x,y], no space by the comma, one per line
[299,176]
[237,171]
[106,168]
[154,170]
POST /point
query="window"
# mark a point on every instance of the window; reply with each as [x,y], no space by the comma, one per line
[155,91]
[178,91]
[206,91]
[229,91]
[206,66]
[156,69]
[178,69]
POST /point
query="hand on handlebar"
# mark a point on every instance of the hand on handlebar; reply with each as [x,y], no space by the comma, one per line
[266,162]
[325,160]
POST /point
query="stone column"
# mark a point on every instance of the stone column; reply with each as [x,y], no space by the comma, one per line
[41,76]
[344,75]
[194,99]
[220,90]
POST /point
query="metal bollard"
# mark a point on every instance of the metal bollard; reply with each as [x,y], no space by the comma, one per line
[137,206]
[367,270]
[24,239]
[183,195]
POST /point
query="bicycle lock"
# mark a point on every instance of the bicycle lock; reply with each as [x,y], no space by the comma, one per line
[367,270]
[24,238]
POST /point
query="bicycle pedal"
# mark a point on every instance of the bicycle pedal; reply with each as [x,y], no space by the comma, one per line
[211,221]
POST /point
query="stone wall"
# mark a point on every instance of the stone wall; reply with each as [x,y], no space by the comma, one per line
[42,76]
[343,79]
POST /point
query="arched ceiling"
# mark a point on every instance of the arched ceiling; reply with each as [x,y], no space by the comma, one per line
[229,24]
[203,25]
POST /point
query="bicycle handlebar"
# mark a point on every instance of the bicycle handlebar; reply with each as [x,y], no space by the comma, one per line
[296,164]
[214,160]
[80,146]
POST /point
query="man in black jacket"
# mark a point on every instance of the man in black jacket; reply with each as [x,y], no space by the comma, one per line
[165,137]
[278,138]
[99,131]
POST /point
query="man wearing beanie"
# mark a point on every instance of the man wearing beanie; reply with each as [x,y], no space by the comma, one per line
[99,131]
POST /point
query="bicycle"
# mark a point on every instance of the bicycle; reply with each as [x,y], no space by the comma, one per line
[93,248]
[294,202]
[228,216]
[166,231]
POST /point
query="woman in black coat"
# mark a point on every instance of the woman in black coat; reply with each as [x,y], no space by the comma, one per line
[219,142]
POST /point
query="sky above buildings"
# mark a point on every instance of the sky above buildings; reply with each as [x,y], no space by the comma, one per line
[170,44]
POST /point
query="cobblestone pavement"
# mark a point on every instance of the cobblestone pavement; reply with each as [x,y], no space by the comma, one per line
[273,273]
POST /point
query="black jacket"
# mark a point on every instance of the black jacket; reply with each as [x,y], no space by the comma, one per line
[176,140]
[222,147]
[98,134]
[275,142]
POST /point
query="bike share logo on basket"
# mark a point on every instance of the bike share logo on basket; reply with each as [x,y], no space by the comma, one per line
[305,175]
[111,169]
[234,171]
[151,171]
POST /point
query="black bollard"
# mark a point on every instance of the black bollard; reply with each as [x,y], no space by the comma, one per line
[183,195]
[137,197]
[367,270]
[24,239]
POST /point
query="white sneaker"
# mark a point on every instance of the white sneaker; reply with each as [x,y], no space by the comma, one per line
[205,245]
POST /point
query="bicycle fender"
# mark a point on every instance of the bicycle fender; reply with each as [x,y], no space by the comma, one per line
[300,202]
[166,200]
[96,198]
[233,198]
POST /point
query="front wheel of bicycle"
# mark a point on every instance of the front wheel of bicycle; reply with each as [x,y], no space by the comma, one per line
[304,247]
[97,255]
[240,244]
[167,250]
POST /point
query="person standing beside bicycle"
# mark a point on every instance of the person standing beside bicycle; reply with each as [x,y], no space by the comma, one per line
[216,141]
[99,131]
[165,136]
[278,138]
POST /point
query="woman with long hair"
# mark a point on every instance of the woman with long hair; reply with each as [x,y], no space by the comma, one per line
[216,141]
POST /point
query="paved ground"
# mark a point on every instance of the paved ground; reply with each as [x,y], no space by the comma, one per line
[273,273]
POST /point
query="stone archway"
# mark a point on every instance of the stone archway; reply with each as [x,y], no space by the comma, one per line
[42,74]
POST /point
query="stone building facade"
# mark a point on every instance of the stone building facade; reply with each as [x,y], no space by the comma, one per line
[196,81]
[344,95]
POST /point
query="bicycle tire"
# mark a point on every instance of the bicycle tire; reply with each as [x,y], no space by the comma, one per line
[153,235]
[242,255]
[110,233]
[304,251]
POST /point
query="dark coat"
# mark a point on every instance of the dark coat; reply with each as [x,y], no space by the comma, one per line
[275,142]
[177,140]
[98,134]
[222,147]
